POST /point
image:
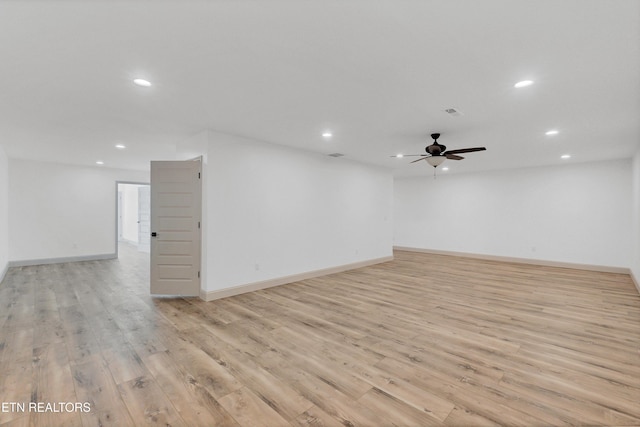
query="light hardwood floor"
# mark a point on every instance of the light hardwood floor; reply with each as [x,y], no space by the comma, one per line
[423,340]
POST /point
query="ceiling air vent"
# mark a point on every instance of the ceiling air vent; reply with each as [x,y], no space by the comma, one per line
[336,154]
[453,112]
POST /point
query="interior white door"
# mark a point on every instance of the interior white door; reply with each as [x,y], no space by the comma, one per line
[175,227]
[144,218]
[120,219]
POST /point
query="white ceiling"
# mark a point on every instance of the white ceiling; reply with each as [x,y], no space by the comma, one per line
[378,73]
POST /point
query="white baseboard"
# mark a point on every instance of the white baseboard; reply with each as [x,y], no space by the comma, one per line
[43,261]
[590,267]
[264,284]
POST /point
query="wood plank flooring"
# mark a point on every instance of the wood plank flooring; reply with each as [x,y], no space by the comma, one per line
[422,340]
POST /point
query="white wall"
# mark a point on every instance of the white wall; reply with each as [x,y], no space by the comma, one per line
[62,211]
[273,211]
[4,213]
[573,213]
[635,215]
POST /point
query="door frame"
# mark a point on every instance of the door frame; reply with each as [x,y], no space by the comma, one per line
[117,207]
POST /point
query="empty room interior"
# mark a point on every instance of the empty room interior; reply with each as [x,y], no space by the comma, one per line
[320,213]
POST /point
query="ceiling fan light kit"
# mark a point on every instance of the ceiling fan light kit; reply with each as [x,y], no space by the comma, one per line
[436,161]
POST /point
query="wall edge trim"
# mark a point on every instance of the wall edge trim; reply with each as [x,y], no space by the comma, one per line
[44,261]
[546,263]
[4,272]
[264,284]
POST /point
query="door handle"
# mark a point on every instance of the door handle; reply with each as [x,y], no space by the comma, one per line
[154,234]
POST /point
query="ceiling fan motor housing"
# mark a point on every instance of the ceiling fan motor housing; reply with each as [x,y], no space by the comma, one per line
[435,149]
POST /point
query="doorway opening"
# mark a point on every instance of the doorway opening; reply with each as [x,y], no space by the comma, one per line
[133,217]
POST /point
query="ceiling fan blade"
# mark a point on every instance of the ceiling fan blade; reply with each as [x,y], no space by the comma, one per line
[425,157]
[453,156]
[409,155]
[465,150]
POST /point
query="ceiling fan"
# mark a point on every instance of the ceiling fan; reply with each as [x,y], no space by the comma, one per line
[436,153]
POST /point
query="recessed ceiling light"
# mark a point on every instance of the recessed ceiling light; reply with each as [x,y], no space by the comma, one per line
[565,156]
[445,168]
[523,83]
[99,162]
[121,146]
[327,134]
[142,82]
[400,155]
[551,132]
